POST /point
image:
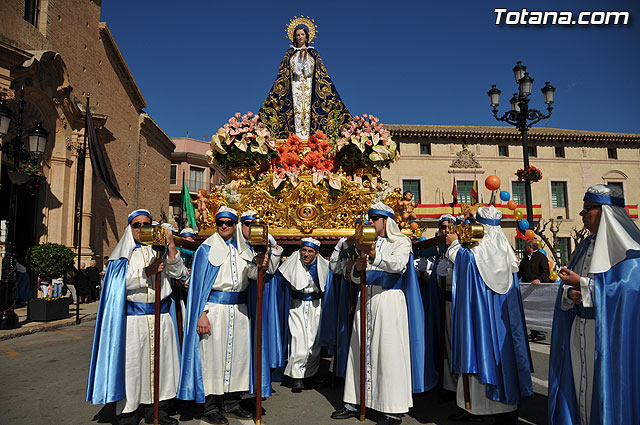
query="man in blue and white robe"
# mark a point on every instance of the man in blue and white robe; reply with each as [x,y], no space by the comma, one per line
[594,375]
[305,275]
[488,339]
[395,346]
[216,361]
[122,360]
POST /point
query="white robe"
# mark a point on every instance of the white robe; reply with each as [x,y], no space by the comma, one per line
[304,323]
[388,354]
[302,64]
[226,351]
[583,339]
[139,361]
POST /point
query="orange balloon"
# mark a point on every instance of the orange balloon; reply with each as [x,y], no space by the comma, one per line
[529,234]
[492,182]
[414,225]
[512,205]
[550,265]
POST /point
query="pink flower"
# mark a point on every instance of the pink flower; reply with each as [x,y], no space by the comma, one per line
[249,114]
[369,142]
[357,118]
[237,115]
[364,115]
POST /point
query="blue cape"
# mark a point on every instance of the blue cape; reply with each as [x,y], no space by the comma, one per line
[489,337]
[334,322]
[431,302]
[616,387]
[106,371]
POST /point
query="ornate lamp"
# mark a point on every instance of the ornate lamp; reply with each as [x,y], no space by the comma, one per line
[494,96]
[515,103]
[525,84]
[5,118]
[518,71]
[548,91]
[37,139]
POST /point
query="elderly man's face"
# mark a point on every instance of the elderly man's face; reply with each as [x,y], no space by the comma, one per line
[226,227]
[528,249]
[136,224]
[308,254]
[591,213]
[245,228]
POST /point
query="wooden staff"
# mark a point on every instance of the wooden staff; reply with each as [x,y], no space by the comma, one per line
[259,346]
[156,346]
[465,390]
[363,340]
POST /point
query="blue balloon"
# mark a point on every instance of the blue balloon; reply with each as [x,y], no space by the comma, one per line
[524,224]
[504,195]
[543,251]
[422,238]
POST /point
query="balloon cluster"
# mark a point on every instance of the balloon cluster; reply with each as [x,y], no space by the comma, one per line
[414,226]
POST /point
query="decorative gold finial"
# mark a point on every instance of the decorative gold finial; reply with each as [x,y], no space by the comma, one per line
[302,20]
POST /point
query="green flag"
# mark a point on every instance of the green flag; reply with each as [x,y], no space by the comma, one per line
[187,206]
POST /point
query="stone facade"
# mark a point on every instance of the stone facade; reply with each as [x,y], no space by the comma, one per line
[570,160]
[66,55]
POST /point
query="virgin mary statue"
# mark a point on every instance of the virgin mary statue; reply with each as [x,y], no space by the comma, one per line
[303,98]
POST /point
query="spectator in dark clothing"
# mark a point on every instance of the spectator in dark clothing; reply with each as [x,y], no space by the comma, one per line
[83,286]
[69,280]
[93,274]
[534,268]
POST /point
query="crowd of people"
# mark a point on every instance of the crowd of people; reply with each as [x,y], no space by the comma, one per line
[460,323]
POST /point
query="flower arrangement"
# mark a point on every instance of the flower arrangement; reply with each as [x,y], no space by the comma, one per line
[365,143]
[529,173]
[320,158]
[36,177]
[244,139]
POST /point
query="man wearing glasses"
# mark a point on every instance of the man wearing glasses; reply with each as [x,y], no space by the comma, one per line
[216,360]
[122,363]
[394,329]
[594,376]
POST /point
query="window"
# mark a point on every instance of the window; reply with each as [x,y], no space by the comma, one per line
[533,151]
[414,187]
[563,250]
[517,193]
[559,194]
[32,11]
[559,151]
[196,179]
[464,191]
[425,148]
[173,177]
[520,247]
[503,150]
[612,153]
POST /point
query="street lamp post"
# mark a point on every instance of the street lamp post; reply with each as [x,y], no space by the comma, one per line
[16,150]
[522,117]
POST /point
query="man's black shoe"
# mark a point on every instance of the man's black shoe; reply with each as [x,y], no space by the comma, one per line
[298,386]
[163,420]
[344,414]
[216,418]
[386,420]
[240,412]
[464,416]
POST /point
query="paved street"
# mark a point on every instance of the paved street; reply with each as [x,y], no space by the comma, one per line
[44,377]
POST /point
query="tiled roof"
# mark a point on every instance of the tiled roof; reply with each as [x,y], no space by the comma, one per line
[507,133]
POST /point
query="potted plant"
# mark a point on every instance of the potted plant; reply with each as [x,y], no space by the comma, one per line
[49,261]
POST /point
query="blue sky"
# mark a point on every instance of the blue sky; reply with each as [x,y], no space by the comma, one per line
[407,62]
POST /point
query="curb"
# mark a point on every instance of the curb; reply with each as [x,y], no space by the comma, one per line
[44,327]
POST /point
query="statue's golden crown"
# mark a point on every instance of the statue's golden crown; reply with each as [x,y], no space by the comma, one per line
[295,22]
